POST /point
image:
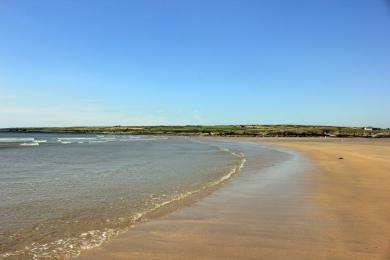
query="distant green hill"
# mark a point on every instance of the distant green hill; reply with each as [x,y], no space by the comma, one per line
[221,130]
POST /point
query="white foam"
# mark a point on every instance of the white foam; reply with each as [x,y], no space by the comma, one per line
[16,140]
[40,141]
[240,155]
[231,173]
[29,144]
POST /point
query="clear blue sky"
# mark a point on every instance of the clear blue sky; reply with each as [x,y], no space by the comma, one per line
[150,62]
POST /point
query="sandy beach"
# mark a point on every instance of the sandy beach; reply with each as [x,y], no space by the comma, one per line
[351,187]
[327,200]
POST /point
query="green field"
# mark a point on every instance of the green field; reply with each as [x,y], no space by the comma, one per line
[220,130]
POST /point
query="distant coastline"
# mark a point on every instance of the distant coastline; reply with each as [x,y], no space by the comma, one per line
[219,130]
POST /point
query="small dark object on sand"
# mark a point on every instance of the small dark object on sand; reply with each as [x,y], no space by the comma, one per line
[340,158]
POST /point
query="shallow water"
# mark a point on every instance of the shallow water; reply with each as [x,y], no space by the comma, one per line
[61,193]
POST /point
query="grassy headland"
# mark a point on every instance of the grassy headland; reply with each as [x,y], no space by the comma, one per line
[219,130]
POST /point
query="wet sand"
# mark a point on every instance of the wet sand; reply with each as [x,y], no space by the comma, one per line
[311,205]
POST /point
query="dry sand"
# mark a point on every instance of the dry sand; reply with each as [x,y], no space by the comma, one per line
[352,194]
[329,208]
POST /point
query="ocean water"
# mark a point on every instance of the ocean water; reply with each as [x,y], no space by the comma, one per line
[61,193]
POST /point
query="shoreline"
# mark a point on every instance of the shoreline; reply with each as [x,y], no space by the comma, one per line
[87,240]
[199,212]
[278,215]
[188,201]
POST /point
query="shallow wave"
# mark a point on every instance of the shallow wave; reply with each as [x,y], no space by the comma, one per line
[105,139]
[40,141]
[29,144]
[76,138]
[16,140]
[71,247]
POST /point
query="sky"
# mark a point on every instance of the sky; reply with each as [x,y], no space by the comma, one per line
[152,62]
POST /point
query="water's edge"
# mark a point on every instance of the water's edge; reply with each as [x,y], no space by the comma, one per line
[188,202]
[73,247]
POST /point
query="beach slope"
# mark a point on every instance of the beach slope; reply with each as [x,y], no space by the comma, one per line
[329,200]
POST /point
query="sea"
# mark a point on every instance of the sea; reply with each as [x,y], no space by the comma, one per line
[61,193]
